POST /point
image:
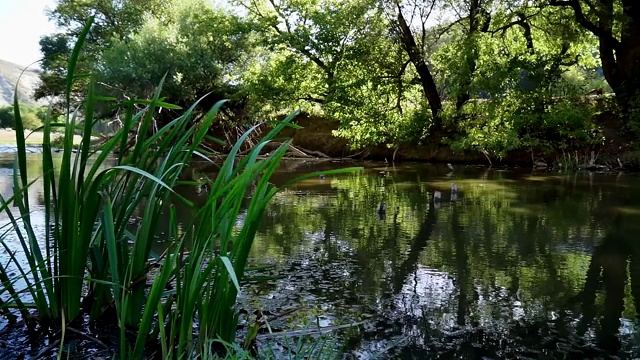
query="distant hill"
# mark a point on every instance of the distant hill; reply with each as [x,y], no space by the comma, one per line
[9,73]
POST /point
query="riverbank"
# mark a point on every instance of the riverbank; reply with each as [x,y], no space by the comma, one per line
[8,137]
[615,152]
[316,139]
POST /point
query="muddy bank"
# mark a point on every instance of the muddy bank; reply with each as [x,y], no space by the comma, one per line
[316,134]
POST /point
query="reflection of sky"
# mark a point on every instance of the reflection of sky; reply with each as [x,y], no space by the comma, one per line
[35,192]
[10,239]
[433,294]
[427,288]
[35,195]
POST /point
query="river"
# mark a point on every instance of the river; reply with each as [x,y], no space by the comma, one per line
[515,264]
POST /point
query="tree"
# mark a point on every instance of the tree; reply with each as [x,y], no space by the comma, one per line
[476,74]
[201,50]
[420,41]
[616,24]
[475,17]
[334,57]
[114,20]
[417,53]
[314,37]
[31,117]
[516,63]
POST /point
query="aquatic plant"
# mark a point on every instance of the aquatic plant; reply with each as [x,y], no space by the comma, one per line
[91,259]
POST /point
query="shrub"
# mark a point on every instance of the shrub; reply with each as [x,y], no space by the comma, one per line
[6,117]
[31,117]
[528,121]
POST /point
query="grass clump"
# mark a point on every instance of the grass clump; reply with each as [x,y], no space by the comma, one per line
[90,261]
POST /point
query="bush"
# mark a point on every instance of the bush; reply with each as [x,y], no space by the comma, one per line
[527,121]
[6,117]
[32,118]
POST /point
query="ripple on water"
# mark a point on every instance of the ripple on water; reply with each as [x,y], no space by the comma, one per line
[513,266]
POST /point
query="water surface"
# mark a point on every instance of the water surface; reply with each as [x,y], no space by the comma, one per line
[515,264]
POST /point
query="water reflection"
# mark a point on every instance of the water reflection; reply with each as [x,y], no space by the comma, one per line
[514,263]
[510,264]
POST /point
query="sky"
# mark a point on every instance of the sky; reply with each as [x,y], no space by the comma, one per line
[22,23]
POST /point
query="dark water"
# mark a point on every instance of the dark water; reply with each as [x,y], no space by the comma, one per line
[515,265]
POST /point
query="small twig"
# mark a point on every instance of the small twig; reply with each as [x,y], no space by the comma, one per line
[354,155]
[83,334]
[286,312]
[298,152]
[315,153]
[486,154]
[47,349]
[137,281]
[319,331]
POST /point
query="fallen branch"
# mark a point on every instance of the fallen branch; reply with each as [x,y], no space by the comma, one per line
[298,152]
[304,332]
[356,154]
[313,153]
[486,154]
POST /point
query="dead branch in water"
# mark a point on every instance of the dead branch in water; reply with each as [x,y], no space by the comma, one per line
[294,151]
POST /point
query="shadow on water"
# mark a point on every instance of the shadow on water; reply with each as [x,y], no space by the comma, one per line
[512,265]
[516,264]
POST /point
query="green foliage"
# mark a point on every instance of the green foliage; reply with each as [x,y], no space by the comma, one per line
[55,49]
[375,123]
[6,117]
[201,50]
[516,57]
[349,61]
[32,118]
[115,20]
[613,23]
[528,122]
[530,72]
[336,57]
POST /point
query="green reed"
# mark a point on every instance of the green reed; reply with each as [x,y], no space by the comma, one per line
[91,261]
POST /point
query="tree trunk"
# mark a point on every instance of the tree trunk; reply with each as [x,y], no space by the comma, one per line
[426,79]
[620,57]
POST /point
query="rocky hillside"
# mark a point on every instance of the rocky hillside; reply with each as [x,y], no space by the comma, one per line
[9,73]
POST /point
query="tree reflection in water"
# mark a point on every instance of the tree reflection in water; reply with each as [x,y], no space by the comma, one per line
[514,264]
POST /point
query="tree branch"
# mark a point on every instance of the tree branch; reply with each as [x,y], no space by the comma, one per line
[417,58]
[312,99]
[400,72]
[604,34]
[301,48]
